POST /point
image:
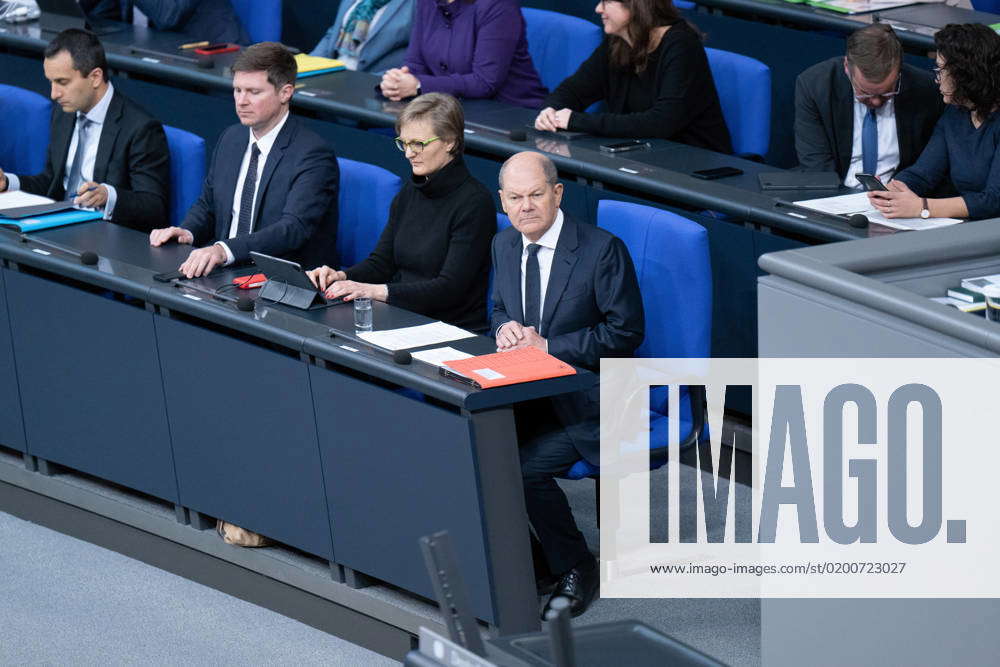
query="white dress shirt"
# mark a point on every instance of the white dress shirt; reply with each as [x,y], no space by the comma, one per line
[264,145]
[546,253]
[888,143]
[95,116]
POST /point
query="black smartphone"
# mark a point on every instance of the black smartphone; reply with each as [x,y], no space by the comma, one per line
[167,277]
[718,172]
[870,182]
[623,146]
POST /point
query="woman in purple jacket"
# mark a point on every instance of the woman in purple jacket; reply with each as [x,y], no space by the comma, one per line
[469,49]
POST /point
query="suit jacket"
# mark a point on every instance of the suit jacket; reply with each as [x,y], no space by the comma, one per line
[196,20]
[592,309]
[132,156]
[824,116]
[387,40]
[295,212]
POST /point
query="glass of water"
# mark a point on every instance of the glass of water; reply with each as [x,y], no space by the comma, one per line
[363,314]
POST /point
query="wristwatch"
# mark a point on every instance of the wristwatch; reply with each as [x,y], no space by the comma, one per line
[925,212]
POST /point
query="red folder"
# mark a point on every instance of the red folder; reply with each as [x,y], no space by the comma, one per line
[503,368]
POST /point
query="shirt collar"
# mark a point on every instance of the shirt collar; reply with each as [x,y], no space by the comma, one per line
[264,143]
[551,236]
[100,110]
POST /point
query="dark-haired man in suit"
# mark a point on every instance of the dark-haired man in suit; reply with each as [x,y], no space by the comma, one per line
[105,152]
[568,289]
[272,185]
[867,112]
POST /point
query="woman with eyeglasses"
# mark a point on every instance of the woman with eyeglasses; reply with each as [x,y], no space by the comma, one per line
[963,151]
[433,256]
[652,72]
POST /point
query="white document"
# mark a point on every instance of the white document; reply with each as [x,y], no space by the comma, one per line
[19,198]
[858,203]
[407,337]
[438,355]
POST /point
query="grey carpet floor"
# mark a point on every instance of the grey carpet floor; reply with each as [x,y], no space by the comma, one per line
[68,602]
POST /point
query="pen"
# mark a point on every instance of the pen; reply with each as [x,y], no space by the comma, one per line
[194,45]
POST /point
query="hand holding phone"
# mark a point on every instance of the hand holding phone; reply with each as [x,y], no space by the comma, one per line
[870,182]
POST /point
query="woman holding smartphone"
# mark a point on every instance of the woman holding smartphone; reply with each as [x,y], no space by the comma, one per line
[963,151]
[433,256]
[652,73]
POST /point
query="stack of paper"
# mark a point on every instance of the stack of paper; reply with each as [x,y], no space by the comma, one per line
[315,65]
[858,202]
[856,6]
[408,337]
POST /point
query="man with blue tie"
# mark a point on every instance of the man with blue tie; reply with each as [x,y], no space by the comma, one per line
[568,289]
[272,189]
[867,112]
[105,152]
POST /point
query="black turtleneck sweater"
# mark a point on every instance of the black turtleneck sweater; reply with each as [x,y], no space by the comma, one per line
[434,253]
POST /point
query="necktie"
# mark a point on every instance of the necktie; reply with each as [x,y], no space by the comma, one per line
[76,169]
[869,143]
[249,188]
[532,289]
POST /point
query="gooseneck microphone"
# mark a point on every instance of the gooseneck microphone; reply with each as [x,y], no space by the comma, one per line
[245,303]
[518,135]
[88,257]
[402,357]
[857,220]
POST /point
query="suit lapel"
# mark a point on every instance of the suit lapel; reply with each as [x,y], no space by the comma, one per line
[843,119]
[109,134]
[562,268]
[273,158]
[512,288]
[230,163]
[60,146]
[390,10]
[904,121]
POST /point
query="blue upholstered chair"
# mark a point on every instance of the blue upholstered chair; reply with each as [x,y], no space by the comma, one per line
[991,6]
[25,140]
[671,260]
[744,86]
[366,192]
[558,43]
[261,18]
[683,4]
[187,170]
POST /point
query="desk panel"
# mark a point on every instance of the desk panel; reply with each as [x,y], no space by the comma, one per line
[244,436]
[11,422]
[397,469]
[90,381]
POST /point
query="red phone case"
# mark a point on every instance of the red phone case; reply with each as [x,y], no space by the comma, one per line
[250,282]
[215,52]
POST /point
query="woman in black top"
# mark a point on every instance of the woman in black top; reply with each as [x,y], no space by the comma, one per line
[652,72]
[433,256]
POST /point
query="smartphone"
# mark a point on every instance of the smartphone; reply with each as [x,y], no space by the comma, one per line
[870,182]
[718,172]
[215,49]
[623,146]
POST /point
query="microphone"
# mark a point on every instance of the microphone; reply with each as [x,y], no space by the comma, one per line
[518,135]
[245,303]
[402,357]
[88,257]
[857,220]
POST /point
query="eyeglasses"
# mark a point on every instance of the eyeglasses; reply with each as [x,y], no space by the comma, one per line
[861,97]
[416,145]
[937,74]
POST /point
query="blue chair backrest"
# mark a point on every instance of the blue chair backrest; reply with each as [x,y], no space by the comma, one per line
[683,4]
[991,6]
[671,260]
[187,170]
[261,18]
[558,43]
[744,86]
[24,133]
[503,222]
[366,193]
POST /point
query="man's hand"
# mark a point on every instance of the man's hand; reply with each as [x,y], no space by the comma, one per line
[201,261]
[158,237]
[398,84]
[348,290]
[91,195]
[530,338]
[3,181]
[509,335]
[324,276]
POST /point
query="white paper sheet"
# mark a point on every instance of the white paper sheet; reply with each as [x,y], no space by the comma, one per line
[858,203]
[439,355]
[418,336]
[19,198]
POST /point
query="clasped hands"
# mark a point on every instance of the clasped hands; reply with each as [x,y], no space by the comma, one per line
[514,336]
[899,201]
[200,262]
[550,120]
[398,83]
[336,285]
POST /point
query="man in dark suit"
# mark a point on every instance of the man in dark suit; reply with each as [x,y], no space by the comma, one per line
[104,151]
[194,20]
[569,289]
[272,185]
[867,112]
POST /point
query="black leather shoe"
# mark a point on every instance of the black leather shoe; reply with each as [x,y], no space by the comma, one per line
[579,585]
